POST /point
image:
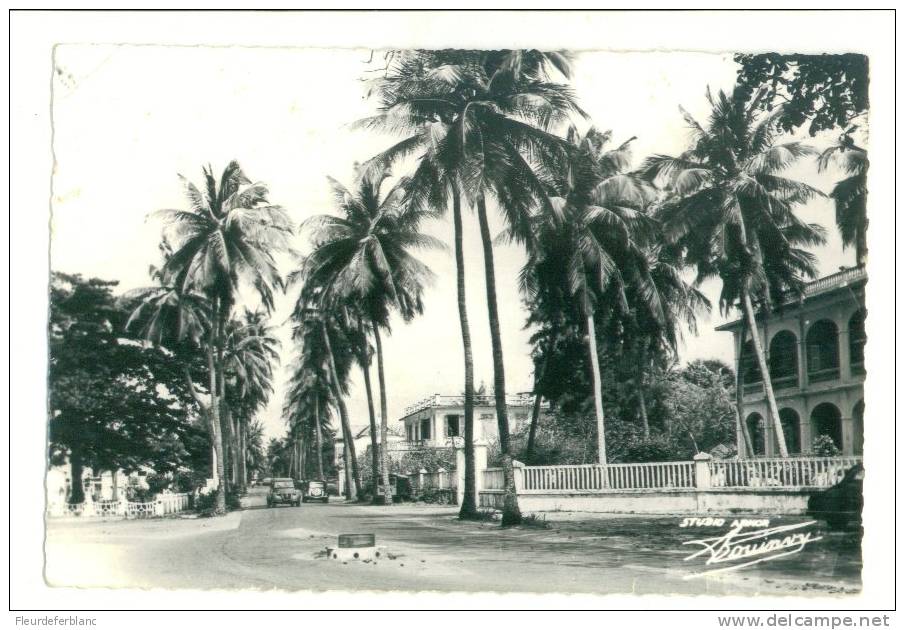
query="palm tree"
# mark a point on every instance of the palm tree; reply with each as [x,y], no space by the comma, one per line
[251,351]
[849,194]
[482,120]
[254,446]
[588,246]
[308,403]
[325,342]
[732,210]
[226,239]
[364,259]
[657,308]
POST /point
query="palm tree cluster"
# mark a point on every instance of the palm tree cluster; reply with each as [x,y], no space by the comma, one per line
[606,251]
[223,244]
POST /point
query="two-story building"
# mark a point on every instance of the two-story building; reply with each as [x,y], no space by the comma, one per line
[436,421]
[815,353]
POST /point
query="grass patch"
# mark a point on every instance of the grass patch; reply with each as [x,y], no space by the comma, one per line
[533,521]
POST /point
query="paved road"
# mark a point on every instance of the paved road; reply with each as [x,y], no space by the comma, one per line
[428,549]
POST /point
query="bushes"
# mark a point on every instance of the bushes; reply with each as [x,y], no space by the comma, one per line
[206,502]
[823,446]
[656,448]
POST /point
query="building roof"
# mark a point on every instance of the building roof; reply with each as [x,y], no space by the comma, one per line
[522,399]
[840,280]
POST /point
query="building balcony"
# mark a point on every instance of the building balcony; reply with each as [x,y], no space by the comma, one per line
[820,376]
[419,445]
[438,400]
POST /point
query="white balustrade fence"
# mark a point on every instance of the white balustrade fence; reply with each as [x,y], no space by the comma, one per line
[162,505]
[793,472]
[590,477]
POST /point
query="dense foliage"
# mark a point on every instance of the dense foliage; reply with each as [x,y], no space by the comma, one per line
[114,401]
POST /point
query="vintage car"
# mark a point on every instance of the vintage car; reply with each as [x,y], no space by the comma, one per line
[840,506]
[315,490]
[283,491]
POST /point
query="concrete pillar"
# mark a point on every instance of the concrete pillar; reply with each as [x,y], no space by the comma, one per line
[702,470]
[421,474]
[802,355]
[770,437]
[518,469]
[848,435]
[340,481]
[441,478]
[460,475]
[845,357]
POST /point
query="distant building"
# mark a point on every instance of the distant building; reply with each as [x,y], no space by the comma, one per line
[362,441]
[436,421]
[815,354]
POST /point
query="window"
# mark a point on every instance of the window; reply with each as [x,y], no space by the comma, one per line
[823,351]
[452,426]
[426,429]
[784,360]
[856,340]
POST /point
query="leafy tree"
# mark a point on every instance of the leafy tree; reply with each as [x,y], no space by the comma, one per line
[827,91]
[114,403]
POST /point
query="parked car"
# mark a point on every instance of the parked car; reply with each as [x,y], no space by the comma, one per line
[840,506]
[283,491]
[315,490]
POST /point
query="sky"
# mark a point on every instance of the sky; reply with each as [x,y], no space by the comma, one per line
[128,119]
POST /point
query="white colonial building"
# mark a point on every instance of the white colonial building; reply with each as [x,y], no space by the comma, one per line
[815,353]
[436,421]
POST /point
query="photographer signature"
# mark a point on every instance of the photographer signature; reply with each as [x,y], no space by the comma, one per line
[759,545]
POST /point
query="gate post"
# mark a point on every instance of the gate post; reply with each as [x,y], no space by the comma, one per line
[460,474]
[702,470]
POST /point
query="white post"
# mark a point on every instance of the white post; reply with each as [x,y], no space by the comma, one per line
[421,474]
[340,481]
[441,474]
[480,465]
[518,469]
[460,475]
[702,470]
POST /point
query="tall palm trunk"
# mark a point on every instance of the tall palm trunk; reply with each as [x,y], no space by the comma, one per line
[765,374]
[317,439]
[372,416]
[511,513]
[225,433]
[744,444]
[214,424]
[469,507]
[595,373]
[535,412]
[243,455]
[642,401]
[384,418]
[761,357]
[352,475]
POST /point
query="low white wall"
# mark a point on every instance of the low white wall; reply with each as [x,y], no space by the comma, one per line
[679,501]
